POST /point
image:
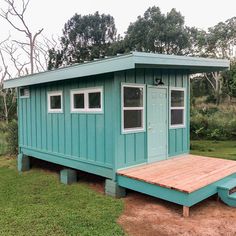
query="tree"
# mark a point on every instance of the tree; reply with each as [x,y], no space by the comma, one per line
[16,18]
[158,33]
[221,39]
[84,38]
[7,96]
[229,81]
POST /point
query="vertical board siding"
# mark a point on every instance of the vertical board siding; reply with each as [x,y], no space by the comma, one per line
[96,138]
[83,137]
[179,138]
[132,147]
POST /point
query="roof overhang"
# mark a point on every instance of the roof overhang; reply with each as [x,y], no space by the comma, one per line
[119,63]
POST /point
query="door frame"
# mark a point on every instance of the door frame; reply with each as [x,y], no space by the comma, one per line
[167,118]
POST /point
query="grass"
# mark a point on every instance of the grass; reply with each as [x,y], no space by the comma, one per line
[220,149]
[35,203]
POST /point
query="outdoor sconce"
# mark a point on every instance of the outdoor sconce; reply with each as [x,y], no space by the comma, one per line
[158,82]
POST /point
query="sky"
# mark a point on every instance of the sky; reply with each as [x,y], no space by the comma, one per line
[52,14]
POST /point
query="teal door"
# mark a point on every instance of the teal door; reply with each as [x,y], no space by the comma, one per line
[157,125]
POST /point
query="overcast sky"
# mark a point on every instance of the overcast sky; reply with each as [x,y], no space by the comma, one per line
[52,14]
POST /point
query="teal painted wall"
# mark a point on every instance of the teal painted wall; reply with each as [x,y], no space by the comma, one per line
[131,149]
[86,138]
[93,142]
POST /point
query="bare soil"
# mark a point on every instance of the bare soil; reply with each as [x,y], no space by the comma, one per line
[145,215]
[149,216]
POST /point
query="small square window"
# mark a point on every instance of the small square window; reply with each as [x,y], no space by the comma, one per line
[55,101]
[24,93]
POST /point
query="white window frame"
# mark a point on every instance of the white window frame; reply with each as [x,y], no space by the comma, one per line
[25,96]
[178,108]
[51,94]
[86,92]
[139,129]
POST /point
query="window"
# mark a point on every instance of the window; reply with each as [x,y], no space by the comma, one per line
[24,93]
[55,101]
[86,100]
[177,108]
[132,108]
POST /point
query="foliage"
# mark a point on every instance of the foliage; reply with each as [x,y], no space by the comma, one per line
[213,122]
[158,33]
[221,39]
[12,137]
[84,38]
[35,203]
[219,149]
[229,80]
[3,142]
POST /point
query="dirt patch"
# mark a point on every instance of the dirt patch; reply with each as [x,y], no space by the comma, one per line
[145,215]
[148,216]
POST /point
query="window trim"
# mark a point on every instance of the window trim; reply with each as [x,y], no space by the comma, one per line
[51,94]
[139,129]
[178,126]
[86,92]
[25,96]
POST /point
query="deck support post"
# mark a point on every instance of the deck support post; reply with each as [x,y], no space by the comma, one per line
[23,162]
[186,211]
[113,189]
[68,176]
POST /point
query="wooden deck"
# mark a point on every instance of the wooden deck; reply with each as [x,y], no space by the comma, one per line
[186,173]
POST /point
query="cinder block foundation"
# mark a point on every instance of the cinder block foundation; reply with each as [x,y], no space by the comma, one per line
[68,176]
[23,162]
[113,189]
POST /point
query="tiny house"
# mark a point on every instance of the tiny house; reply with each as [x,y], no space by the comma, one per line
[106,116]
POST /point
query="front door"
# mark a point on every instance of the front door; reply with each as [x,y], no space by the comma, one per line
[157,125]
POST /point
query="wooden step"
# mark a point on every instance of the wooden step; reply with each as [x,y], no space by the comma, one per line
[233,195]
[229,184]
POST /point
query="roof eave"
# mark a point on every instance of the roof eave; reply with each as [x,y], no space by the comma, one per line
[86,69]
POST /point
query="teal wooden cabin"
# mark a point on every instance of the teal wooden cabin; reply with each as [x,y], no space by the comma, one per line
[108,115]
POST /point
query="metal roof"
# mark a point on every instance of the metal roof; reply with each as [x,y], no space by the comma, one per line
[122,62]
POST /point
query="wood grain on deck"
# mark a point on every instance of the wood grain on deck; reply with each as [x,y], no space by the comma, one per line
[186,173]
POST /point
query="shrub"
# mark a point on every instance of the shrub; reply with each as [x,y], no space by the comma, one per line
[12,137]
[214,123]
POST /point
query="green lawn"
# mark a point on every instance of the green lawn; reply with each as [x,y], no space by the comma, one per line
[221,149]
[35,203]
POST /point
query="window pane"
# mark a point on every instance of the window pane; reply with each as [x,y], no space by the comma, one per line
[55,102]
[24,92]
[78,101]
[177,98]
[133,97]
[133,119]
[177,117]
[95,100]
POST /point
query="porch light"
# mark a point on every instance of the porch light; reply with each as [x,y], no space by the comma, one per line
[159,82]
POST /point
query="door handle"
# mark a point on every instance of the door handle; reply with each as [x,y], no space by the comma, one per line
[149,126]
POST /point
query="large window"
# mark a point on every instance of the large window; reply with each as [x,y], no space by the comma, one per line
[55,101]
[177,108]
[86,100]
[132,108]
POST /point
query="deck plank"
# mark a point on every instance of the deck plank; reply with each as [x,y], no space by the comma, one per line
[187,173]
